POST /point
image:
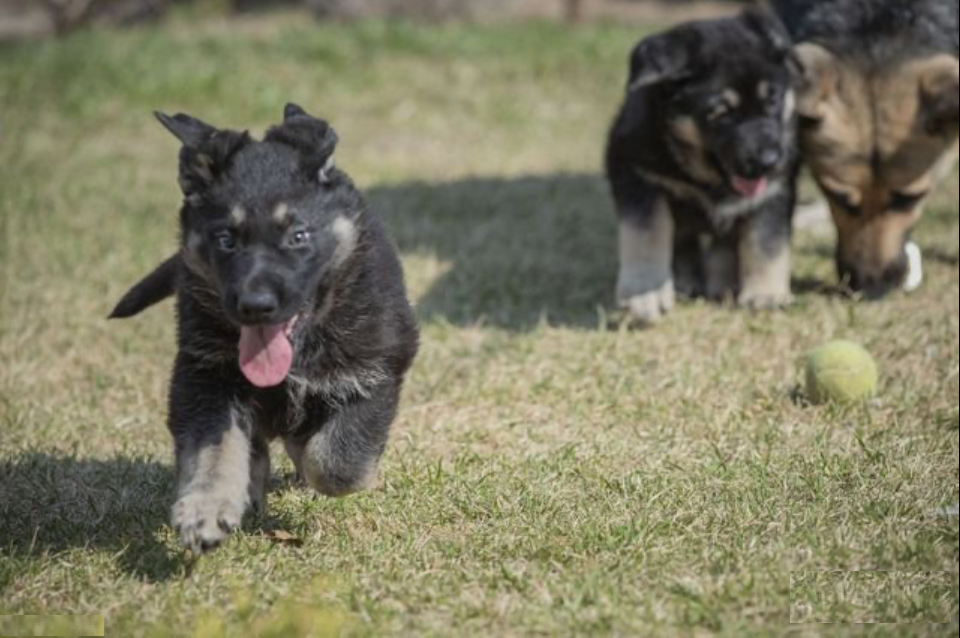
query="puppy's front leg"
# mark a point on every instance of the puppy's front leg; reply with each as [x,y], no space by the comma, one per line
[645,284]
[764,253]
[212,435]
[340,454]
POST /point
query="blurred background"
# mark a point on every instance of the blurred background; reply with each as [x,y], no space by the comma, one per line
[21,19]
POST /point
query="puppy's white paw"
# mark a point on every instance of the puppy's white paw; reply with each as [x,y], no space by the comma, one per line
[914,268]
[205,520]
[651,307]
[765,299]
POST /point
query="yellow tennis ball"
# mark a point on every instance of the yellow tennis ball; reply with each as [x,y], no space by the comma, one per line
[841,372]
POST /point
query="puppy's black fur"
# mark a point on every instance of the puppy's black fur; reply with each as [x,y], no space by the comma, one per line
[880,29]
[278,247]
[702,163]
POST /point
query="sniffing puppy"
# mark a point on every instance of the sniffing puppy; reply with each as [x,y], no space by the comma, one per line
[293,321]
[702,164]
[879,106]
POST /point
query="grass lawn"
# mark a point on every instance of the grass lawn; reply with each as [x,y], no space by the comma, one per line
[547,475]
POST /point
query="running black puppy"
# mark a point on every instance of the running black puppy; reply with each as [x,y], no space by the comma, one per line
[293,321]
[702,162]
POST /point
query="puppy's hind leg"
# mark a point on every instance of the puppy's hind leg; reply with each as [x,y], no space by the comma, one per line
[341,454]
[259,474]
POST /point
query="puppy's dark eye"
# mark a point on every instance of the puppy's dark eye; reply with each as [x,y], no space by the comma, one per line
[226,241]
[843,201]
[299,238]
[905,202]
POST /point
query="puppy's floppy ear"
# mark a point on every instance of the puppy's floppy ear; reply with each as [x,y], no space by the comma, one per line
[662,58]
[769,27]
[314,138]
[206,151]
[940,87]
[818,69]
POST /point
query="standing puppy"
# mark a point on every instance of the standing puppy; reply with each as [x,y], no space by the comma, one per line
[293,321]
[702,164]
[879,119]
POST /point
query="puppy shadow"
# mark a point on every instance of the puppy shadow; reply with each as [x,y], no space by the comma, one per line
[507,253]
[51,504]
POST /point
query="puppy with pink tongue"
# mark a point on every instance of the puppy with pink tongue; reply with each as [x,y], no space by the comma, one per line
[702,164]
[293,322]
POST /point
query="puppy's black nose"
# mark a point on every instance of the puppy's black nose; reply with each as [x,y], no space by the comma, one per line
[873,286]
[257,307]
[769,159]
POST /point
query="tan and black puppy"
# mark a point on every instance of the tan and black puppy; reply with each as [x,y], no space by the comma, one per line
[702,164]
[879,111]
[292,321]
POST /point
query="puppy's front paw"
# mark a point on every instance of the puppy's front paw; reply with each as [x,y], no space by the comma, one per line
[764,299]
[650,308]
[205,520]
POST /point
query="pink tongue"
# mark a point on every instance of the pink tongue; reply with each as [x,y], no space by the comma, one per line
[750,187]
[265,355]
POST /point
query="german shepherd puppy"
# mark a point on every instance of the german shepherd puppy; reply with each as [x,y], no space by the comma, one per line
[293,321]
[878,107]
[702,165]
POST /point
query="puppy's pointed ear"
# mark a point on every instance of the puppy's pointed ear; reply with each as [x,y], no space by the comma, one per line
[769,27]
[940,87]
[818,69]
[314,138]
[189,130]
[662,58]
[206,151]
[291,111]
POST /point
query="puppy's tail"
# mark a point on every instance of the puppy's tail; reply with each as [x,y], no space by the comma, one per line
[152,289]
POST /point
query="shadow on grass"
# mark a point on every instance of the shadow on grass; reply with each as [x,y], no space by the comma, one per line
[52,504]
[516,251]
[942,256]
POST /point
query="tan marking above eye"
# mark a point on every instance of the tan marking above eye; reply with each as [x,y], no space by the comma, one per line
[281,214]
[238,216]
[848,193]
